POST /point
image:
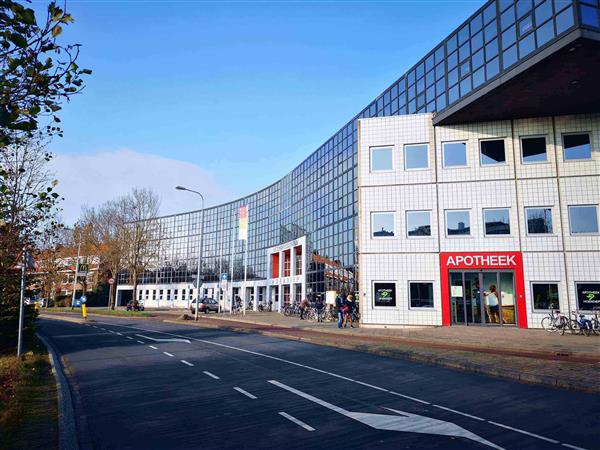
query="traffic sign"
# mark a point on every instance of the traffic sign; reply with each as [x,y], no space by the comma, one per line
[111,281]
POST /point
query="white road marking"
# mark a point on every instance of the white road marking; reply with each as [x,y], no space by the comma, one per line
[458,412]
[111,331]
[296,421]
[574,447]
[87,324]
[119,334]
[129,337]
[141,342]
[410,398]
[525,432]
[187,341]
[152,346]
[246,393]
[94,326]
[407,422]
[168,354]
[187,363]
[371,386]
[275,358]
[212,375]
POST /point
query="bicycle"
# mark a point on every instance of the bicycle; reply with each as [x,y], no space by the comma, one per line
[555,321]
[581,324]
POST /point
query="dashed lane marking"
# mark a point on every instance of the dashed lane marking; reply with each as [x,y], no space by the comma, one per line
[187,363]
[212,375]
[296,421]
[458,412]
[168,354]
[335,375]
[141,342]
[129,337]
[152,346]
[119,334]
[246,393]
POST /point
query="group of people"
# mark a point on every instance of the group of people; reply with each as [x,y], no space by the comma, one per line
[345,307]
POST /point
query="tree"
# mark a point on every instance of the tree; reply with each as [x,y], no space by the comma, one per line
[142,233]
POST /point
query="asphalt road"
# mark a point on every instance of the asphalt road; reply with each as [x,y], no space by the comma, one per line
[220,389]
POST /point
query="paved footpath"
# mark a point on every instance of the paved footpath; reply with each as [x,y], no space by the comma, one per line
[144,384]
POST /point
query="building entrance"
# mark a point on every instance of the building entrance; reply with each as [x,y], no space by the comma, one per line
[483,297]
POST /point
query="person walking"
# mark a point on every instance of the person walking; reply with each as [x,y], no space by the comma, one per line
[319,306]
[304,304]
[350,307]
[340,303]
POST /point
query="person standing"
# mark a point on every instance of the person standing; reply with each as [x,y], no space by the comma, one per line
[340,303]
[304,304]
[350,307]
[319,307]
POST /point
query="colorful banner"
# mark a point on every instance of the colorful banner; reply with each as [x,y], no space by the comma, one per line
[243,213]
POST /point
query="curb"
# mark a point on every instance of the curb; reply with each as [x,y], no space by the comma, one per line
[464,366]
[67,431]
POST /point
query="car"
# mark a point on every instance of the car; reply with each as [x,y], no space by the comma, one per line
[206,305]
[132,305]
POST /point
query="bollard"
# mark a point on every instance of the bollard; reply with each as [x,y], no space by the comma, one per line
[84,311]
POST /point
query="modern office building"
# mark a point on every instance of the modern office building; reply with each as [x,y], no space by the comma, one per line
[513,65]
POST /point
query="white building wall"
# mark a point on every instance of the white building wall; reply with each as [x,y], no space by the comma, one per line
[555,183]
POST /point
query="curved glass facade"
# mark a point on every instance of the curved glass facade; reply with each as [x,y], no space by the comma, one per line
[318,199]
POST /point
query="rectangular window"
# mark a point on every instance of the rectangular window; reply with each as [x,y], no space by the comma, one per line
[384,294]
[418,223]
[455,154]
[492,152]
[539,220]
[545,295]
[497,221]
[416,156]
[583,219]
[382,224]
[588,296]
[577,146]
[421,294]
[458,223]
[381,159]
[533,149]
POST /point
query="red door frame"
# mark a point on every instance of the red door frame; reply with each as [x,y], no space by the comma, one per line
[483,260]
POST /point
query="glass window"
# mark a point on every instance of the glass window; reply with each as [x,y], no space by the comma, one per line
[384,294]
[453,94]
[478,77]
[589,16]
[523,7]
[526,45]
[489,13]
[588,296]
[545,33]
[545,295]
[452,77]
[418,223]
[539,220]
[458,222]
[564,20]
[477,41]
[492,152]
[497,221]
[509,37]
[491,50]
[509,57]
[490,31]
[477,59]
[577,146]
[543,12]
[492,68]
[533,149]
[507,18]
[465,86]
[382,224]
[455,154]
[381,159]
[416,156]
[583,219]
[525,25]
[421,294]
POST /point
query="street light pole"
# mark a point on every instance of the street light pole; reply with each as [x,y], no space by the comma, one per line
[199,265]
[75,280]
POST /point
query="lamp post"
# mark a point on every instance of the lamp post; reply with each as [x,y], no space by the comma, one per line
[76,271]
[181,188]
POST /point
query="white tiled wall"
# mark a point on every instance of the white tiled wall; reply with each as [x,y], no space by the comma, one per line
[555,183]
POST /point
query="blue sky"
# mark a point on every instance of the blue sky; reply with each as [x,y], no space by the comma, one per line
[230,96]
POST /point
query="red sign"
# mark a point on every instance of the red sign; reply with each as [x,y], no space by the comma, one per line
[111,280]
[483,260]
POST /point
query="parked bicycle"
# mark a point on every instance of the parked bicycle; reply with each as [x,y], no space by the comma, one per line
[555,321]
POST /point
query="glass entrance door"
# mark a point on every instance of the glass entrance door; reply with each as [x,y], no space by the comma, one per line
[482,298]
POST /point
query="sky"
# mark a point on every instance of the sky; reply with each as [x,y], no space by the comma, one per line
[225,97]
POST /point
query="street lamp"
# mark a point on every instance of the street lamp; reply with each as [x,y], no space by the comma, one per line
[181,188]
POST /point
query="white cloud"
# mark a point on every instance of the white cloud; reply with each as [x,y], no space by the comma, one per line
[92,179]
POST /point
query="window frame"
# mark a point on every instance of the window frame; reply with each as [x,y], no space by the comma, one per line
[574,133]
[482,164]
[380,147]
[531,283]
[455,236]
[483,211]
[406,222]
[422,308]
[596,233]
[374,213]
[547,161]
[416,145]
[384,308]
[527,233]
[577,296]
[466,165]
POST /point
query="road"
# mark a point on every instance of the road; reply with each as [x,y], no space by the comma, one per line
[153,385]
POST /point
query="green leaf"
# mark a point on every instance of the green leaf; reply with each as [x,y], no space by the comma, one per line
[18,40]
[27,16]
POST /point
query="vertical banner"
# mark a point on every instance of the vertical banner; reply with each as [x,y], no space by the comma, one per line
[243,234]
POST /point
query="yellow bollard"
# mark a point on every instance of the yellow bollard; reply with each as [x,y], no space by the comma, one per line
[84,311]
